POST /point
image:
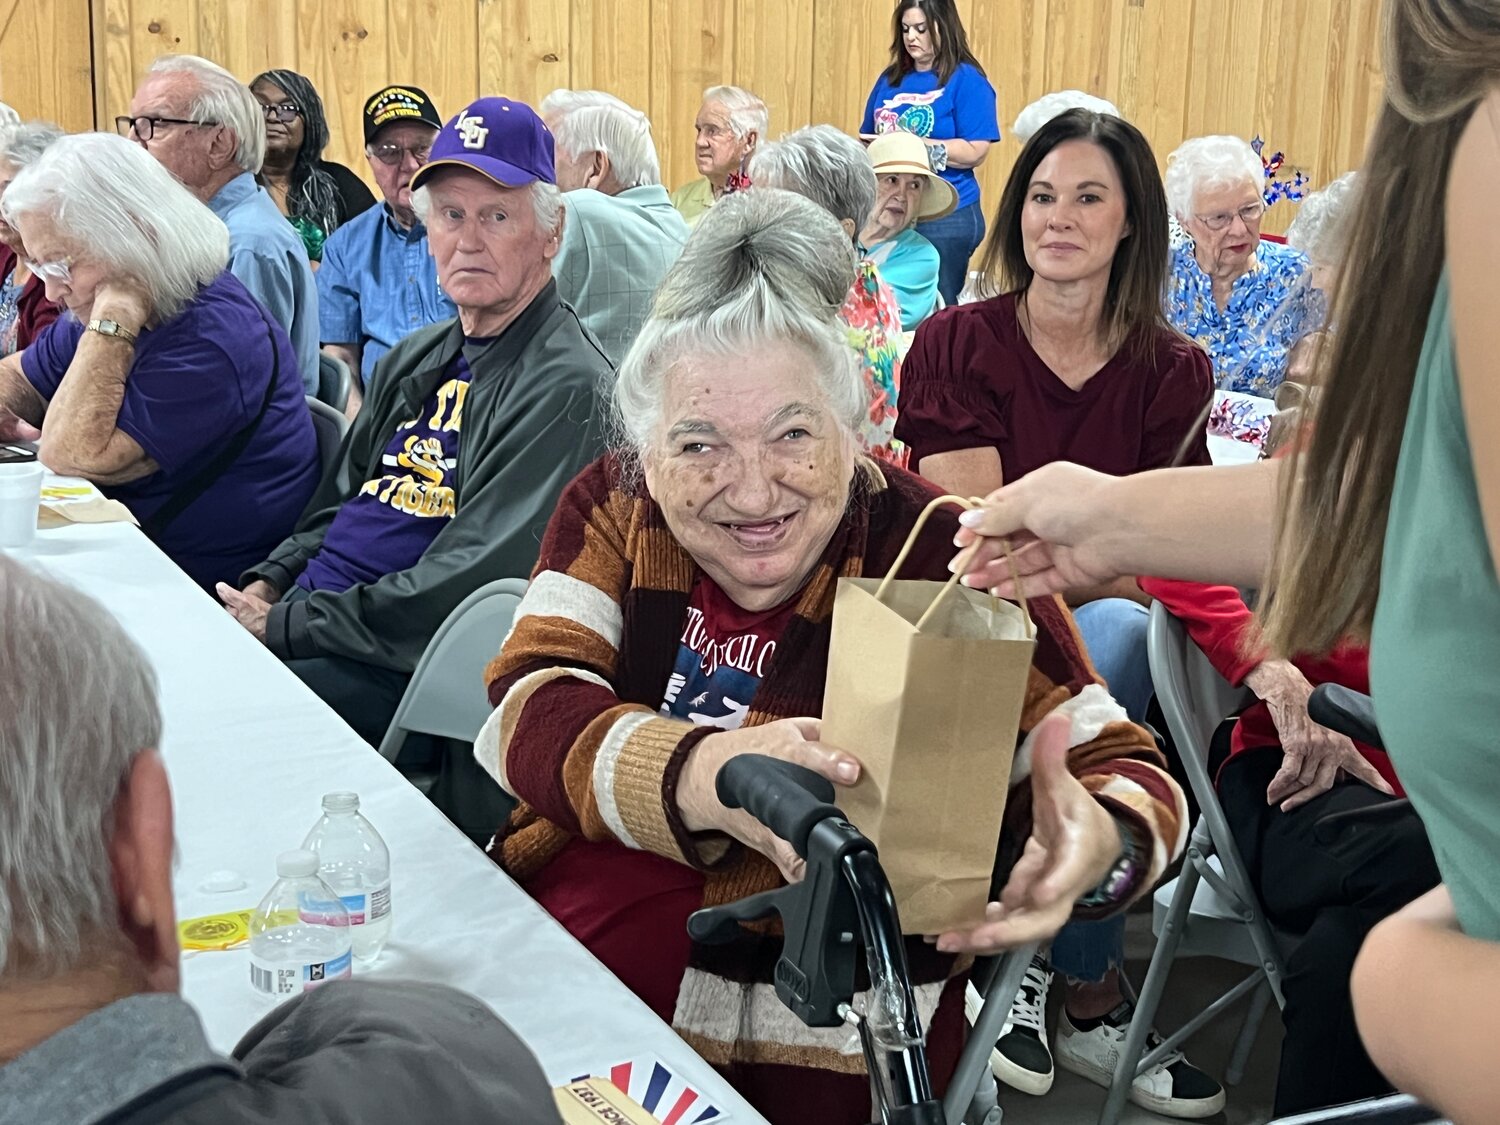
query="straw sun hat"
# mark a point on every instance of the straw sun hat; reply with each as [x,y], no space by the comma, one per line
[904,153]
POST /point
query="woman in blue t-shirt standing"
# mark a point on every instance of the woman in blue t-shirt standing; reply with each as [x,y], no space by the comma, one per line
[936,89]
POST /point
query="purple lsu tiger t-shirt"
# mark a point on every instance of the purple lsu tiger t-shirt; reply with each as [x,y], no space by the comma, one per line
[391,521]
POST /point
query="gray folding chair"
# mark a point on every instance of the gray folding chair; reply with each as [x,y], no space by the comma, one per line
[334,381]
[330,426]
[1210,909]
[446,695]
[971,1097]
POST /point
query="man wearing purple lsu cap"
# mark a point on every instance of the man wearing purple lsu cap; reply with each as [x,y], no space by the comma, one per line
[455,463]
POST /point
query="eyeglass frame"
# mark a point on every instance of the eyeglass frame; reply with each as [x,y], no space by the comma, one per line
[127,125]
[1212,222]
[279,111]
[59,270]
[400,152]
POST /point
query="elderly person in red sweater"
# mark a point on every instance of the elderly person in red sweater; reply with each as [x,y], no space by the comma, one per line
[1283,775]
[680,614]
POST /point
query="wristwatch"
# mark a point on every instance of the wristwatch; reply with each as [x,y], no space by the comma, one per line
[1122,879]
[111,328]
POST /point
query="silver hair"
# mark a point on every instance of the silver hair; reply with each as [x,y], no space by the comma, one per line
[546,202]
[823,163]
[593,121]
[1048,106]
[1321,228]
[1205,163]
[225,100]
[762,266]
[22,145]
[747,112]
[8,116]
[119,206]
[78,703]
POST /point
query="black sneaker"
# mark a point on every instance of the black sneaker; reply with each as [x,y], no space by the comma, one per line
[1021,1058]
[1173,1087]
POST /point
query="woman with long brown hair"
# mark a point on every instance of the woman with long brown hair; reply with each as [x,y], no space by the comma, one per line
[1070,357]
[1387,524]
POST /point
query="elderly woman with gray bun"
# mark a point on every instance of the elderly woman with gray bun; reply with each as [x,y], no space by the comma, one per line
[24,308]
[680,614]
[835,171]
[1246,301]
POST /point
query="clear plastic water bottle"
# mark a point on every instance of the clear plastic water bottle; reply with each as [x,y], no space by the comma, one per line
[299,934]
[354,861]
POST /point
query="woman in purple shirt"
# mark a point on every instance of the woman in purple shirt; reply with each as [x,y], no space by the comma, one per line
[167,385]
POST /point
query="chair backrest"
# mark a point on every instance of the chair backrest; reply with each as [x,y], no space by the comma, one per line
[330,425]
[1194,698]
[334,381]
[446,696]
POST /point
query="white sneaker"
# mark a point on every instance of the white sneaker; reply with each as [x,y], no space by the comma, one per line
[1173,1087]
[1020,1057]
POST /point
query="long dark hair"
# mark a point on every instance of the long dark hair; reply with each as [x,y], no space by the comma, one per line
[948,36]
[313,195]
[1137,278]
[1440,57]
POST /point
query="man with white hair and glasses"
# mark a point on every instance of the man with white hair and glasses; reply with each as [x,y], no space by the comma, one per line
[730,123]
[206,128]
[621,232]
[91,1024]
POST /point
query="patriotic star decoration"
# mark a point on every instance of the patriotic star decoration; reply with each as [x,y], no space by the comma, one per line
[1293,190]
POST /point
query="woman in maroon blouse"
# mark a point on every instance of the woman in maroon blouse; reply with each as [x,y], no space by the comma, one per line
[1070,358]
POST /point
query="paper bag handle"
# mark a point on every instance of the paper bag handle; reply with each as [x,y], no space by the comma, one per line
[911,540]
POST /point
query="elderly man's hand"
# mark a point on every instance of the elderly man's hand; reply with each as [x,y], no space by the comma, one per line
[246,607]
[1074,843]
[792,740]
[15,428]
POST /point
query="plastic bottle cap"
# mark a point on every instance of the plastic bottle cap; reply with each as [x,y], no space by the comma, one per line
[296,864]
[340,802]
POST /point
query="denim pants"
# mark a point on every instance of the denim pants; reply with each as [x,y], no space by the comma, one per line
[1114,632]
[956,237]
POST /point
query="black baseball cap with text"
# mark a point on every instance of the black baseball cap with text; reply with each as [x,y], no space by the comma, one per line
[399,103]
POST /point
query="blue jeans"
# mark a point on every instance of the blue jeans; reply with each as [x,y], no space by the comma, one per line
[956,237]
[1114,632]
[1087,951]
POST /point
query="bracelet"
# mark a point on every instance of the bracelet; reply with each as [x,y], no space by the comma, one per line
[1121,879]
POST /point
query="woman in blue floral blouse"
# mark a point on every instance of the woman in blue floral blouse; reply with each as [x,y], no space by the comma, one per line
[1247,302]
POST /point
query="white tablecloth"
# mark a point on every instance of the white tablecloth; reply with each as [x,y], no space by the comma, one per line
[251,751]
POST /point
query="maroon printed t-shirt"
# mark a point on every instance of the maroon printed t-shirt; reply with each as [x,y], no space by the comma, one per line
[972,379]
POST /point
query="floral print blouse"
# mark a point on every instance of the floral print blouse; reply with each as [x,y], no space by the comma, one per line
[872,319]
[1270,308]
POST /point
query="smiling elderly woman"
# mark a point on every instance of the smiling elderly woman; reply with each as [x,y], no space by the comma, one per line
[720,530]
[168,386]
[1246,301]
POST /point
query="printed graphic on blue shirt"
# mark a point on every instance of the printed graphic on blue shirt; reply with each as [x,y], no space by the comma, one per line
[725,652]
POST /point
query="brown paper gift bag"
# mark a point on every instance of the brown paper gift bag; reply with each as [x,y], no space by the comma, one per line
[926,682]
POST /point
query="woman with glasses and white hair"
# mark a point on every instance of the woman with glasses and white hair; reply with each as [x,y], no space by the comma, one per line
[834,170]
[721,526]
[318,196]
[1246,301]
[168,385]
[24,308]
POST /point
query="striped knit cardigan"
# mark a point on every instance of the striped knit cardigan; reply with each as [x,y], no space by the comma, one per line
[578,736]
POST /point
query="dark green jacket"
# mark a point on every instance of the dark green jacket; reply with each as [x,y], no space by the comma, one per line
[533,418]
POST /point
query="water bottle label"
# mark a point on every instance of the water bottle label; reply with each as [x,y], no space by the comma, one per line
[370,907]
[278,979]
[318,911]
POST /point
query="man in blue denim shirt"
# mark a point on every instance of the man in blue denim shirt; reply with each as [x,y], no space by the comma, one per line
[205,127]
[378,283]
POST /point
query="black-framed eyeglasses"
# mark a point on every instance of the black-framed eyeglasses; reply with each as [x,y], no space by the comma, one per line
[145,127]
[285,112]
[394,154]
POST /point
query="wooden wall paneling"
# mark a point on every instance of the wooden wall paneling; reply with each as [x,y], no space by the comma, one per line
[1156,70]
[46,69]
[524,48]
[692,48]
[612,51]
[147,29]
[433,44]
[773,56]
[249,37]
[342,49]
[851,46]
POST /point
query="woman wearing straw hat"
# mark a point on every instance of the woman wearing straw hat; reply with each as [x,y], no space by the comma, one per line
[908,192]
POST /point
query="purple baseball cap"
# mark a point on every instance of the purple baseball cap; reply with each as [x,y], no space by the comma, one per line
[496,137]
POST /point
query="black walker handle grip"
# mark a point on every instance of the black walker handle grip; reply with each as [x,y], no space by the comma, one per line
[787,798]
